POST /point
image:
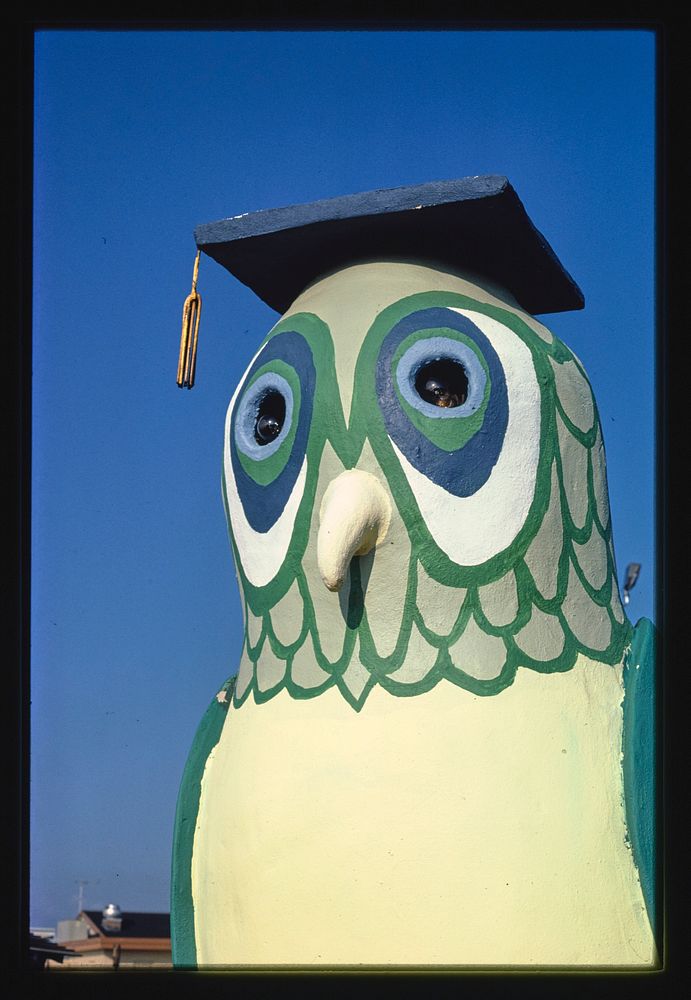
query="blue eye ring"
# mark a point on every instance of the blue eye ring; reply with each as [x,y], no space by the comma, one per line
[457,454]
[424,352]
[265,474]
[248,412]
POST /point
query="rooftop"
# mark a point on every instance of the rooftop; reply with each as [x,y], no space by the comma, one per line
[134,924]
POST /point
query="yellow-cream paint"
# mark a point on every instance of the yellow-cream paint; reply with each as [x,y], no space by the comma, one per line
[350,300]
[442,828]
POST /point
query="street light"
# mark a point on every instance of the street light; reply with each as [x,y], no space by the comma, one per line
[632,571]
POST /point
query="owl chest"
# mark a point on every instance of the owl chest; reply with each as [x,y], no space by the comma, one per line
[439,828]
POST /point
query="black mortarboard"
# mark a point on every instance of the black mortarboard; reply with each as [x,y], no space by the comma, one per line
[475,224]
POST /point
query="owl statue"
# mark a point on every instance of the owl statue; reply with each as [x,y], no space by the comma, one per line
[437,747]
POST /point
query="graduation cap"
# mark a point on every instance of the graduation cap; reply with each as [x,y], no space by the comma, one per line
[475,224]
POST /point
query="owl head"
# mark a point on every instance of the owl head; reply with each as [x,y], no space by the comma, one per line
[414,480]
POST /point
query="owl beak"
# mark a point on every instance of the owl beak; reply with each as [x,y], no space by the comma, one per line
[354,517]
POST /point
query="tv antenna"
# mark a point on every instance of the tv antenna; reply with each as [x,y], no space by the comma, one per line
[80,895]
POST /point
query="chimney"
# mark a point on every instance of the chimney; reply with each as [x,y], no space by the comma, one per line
[111,919]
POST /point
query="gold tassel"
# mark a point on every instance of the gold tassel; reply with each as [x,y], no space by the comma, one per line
[191,313]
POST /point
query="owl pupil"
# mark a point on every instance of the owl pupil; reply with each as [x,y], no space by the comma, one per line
[442,382]
[270,418]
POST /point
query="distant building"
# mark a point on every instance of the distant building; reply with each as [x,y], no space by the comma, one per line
[43,951]
[47,933]
[112,938]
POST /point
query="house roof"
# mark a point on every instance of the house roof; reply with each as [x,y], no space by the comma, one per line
[134,924]
[41,949]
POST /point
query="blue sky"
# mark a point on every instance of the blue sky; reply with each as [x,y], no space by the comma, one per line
[141,136]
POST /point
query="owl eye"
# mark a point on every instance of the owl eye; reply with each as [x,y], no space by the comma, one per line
[264,415]
[439,385]
[270,418]
[267,429]
[442,382]
[460,402]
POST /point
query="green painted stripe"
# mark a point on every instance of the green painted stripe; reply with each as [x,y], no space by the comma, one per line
[639,758]
[183,941]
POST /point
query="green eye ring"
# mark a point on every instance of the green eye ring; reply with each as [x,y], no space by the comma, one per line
[449,428]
